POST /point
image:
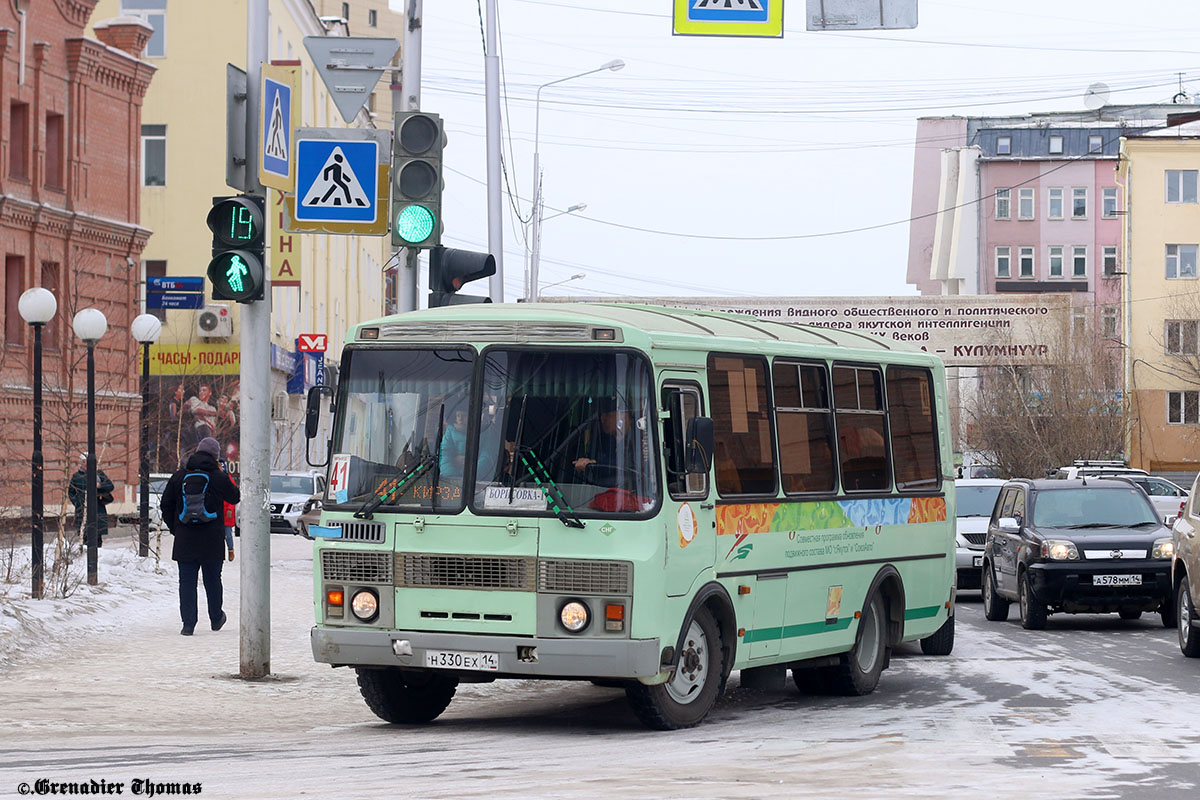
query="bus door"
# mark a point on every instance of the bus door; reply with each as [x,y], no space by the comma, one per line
[688,511]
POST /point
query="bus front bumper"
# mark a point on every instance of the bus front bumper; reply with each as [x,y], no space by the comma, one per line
[514,656]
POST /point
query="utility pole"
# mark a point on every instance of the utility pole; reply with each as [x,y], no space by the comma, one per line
[409,99]
[255,453]
[491,67]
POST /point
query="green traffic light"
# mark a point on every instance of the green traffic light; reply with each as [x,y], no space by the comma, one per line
[237,268]
[414,224]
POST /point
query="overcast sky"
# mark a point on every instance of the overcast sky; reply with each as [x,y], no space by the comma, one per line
[782,142]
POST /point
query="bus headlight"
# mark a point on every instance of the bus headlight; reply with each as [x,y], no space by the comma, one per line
[1163,548]
[365,605]
[574,616]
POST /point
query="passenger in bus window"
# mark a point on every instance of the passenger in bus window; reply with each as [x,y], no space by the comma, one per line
[453,449]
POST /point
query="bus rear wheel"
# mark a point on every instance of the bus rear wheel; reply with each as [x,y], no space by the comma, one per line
[859,670]
[687,697]
[406,697]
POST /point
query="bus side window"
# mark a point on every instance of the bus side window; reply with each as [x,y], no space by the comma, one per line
[682,404]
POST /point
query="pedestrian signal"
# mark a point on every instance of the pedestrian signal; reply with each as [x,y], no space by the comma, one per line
[417,142]
[239,234]
[450,269]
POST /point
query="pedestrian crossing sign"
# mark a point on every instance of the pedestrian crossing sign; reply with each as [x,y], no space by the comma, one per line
[757,18]
[336,180]
[277,125]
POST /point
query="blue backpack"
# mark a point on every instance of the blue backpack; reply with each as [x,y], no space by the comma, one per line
[194,487]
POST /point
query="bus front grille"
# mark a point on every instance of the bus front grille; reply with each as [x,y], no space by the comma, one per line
[465,572]
[360,531]
[572,576]
[346,566]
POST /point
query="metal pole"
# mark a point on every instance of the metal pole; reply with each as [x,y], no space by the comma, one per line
[491,63]
[255,452]
[144,466]
[90,532]
[38,468]
[408,274]
[535,257]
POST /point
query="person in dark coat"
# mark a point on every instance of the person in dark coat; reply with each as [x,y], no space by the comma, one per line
[77,494]
[200,548]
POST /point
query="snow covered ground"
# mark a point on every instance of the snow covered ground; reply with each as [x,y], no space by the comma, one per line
[102,686]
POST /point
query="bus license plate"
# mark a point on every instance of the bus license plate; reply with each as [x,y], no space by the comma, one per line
[1116,580]
[457,659]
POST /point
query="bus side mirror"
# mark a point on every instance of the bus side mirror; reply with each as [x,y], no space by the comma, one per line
[312,412]
[698,453]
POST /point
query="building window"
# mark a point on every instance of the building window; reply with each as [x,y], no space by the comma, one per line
[1055,210]
[1056,261]
[1025,204]
[1095,144]
[153,13]
[1108,202]
[1079,261]
[1056,145]
[1181,185]
[1002,203]
[346,11]
[154,155]
[1025,262]
[1079,202]
[14,284]
[805,423]
[1108,321]
[155,269]
[18,141]
[1183,408]
[1003,263]
[1181,261]
[1180,339]
[373,18]
[1110,259]
[54,151]
[744,458]
[1078,321]
[1003,145]
[50,273]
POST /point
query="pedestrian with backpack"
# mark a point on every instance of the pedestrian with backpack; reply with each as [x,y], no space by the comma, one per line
[193,506]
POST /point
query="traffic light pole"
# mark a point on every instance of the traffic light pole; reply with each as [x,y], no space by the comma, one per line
[491,72]
[254,455]
[407,275]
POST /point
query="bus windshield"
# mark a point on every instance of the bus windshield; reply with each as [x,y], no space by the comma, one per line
[567,430]
[398,410]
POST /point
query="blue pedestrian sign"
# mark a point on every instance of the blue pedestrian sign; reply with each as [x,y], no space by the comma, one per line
[276,129]
[336,180]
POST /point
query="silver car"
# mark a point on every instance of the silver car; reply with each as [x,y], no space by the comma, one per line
[292,495]
[975,498]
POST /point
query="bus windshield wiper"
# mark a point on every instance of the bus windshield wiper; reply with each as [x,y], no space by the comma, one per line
[554,495]
[512,475]
[393,486]
[437,457]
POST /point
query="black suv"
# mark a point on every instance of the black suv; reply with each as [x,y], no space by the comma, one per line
[1090,545]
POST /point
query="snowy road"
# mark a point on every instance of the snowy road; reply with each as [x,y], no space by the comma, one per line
[1092,707]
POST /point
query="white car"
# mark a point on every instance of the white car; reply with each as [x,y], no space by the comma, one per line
[974,500]
[292,495]
[1165,496]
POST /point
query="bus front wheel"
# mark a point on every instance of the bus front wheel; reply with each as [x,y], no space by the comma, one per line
[406,697]
[685,699]
[859,670]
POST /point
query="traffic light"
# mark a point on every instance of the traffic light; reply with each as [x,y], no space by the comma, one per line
[239,234]
[449,269]
[417,142]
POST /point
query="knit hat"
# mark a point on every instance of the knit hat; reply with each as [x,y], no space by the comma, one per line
[209,445]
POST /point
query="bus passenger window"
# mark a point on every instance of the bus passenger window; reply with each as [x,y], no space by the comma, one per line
[914,436]
[805,425]
[744,453]
[862,443]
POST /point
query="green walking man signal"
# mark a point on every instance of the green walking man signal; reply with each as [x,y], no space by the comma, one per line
[238,243]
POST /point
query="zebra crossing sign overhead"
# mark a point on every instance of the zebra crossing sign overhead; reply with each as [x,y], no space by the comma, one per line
[758,18]
[277,125]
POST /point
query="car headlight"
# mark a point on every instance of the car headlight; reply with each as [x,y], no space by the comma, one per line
[574,616]
[365,605]
[1163,548]
[1059,550]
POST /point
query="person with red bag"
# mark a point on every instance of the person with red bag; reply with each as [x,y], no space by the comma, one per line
[230,513]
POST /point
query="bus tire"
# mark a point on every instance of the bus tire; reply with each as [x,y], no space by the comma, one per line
[941,641]
[995,607]
[406,697]
[687,697]
[859,670]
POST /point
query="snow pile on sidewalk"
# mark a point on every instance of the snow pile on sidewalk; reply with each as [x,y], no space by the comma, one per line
[129,588]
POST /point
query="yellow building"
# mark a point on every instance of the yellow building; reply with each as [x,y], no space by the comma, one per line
[1161,301]
[183,167]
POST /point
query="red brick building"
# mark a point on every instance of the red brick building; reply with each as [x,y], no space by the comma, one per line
[70,128]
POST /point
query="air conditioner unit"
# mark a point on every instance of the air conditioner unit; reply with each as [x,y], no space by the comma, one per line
[279,407]
[214,322]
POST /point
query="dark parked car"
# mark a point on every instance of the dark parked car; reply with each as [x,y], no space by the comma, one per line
[1076,546]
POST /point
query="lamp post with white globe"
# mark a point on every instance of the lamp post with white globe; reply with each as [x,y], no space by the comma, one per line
[145,329]
[37,307]
[90,326]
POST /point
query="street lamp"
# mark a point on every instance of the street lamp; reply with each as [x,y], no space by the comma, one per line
[90,325]
[37,307]
[145,329]
[536,222]
[530,287]
[575,277]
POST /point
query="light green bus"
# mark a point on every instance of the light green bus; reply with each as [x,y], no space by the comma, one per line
[632,495]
